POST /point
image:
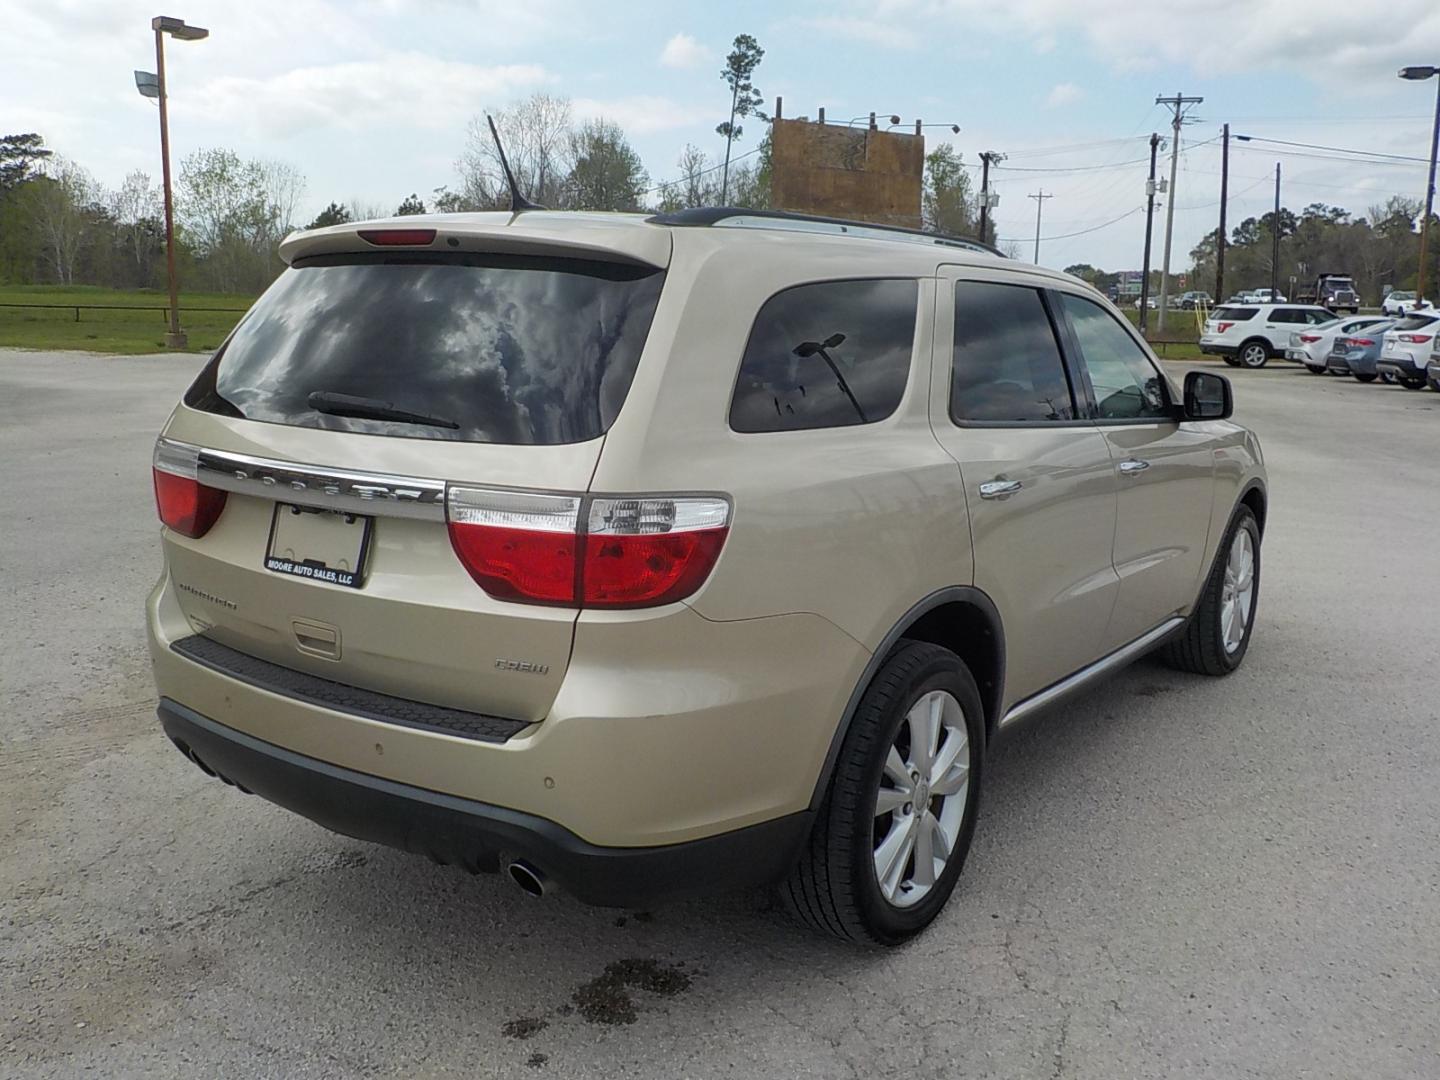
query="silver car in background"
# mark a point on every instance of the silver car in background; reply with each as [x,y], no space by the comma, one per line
[1312,345]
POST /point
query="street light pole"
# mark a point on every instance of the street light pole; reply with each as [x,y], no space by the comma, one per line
[1419,74]
[162,25]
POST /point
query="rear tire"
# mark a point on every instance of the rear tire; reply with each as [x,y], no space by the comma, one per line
[1255,353]
[1209,644]
[1366,378]
[1230,360]
[1411,382]
[837,886]
[1315,369]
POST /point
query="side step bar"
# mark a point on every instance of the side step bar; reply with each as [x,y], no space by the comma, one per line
[1086,675]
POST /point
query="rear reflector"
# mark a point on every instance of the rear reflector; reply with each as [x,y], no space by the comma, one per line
[633,552]
[397,237]
[184,504]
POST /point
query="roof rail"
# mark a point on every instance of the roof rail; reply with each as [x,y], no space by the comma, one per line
[743,217]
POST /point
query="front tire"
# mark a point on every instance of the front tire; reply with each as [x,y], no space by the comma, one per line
[892,834]
[1366,378]
[1254,354]
[1217,635]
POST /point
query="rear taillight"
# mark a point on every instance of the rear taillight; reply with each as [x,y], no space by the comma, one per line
[1359,342]
[1220,328]
[633,552]
[184,504]
[1309,338]
[1414,339]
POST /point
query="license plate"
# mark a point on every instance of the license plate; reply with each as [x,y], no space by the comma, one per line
[321,545]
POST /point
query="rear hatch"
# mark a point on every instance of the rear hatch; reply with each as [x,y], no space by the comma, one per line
[358,386]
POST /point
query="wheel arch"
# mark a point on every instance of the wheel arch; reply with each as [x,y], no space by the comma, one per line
[960,618]
[1254,497]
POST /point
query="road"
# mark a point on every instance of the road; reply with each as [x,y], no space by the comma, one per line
[1172,877]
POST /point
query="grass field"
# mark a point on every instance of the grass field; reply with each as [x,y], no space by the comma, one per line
[111,331]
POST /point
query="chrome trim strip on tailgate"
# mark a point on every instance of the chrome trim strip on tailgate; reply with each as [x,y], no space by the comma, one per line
[382,494]
[1106,664]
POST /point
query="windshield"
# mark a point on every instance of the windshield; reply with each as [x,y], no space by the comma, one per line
[497,348]
[1402,296]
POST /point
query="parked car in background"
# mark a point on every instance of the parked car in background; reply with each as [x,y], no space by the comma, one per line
[1398,302]
[1248,335]
[724,567]
[1150,303]
[1266,296]
[1432,369]
[1358,353]
[1334,291]
[1311,346]
[1406,351]
[1191,300]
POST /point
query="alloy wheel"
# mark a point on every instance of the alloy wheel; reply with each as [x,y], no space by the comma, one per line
[1237,596]
[921,799]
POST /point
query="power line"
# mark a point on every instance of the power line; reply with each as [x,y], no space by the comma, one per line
[1335,149]
[1066,236]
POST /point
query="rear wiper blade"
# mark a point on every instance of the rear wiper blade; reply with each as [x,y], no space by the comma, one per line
[364,408]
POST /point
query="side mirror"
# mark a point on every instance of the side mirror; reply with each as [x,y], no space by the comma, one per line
[1208,396]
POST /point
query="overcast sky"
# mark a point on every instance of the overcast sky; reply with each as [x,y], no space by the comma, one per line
[369,99]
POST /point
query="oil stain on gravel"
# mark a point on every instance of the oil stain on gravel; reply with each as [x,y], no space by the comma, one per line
[524,1027]
[606,999]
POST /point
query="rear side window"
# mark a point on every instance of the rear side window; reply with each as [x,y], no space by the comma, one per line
[477,348]
[1413,322]
[830,354]
[1234,314]
[1006,365]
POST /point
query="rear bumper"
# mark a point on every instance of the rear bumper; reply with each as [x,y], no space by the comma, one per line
[478,836]
[1403,366]
[1214,349]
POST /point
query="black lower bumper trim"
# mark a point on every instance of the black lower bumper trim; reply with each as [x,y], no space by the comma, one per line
[476,835]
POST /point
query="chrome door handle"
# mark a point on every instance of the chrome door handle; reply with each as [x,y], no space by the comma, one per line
[1133,466]
[998,489]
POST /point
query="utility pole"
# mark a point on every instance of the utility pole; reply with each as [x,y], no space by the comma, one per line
[987,158]
[1275,238]
[1039,204]
[1178,104]
[1149,221]
[1220,235]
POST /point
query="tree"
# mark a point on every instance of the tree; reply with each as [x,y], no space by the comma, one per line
[536,136]
[334,214]
[945,201]
[740,65]
[607,174]
[450,202]
[18,153]
[137,210]
[410,205]
[695,185]
[234,213]
[63,204]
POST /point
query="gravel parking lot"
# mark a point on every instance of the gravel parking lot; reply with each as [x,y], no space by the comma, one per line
[1172,877]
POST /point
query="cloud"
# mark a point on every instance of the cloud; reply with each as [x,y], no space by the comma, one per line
[1065,93]
[683,51]
[408,89]
[876,30]
[643,114]
[1208,37]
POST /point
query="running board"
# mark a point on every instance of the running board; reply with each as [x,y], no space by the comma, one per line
[1104,666]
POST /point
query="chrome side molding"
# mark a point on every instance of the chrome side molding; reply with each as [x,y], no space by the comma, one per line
[1106,664]
[382,494]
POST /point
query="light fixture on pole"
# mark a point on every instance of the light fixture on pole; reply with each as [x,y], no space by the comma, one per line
[153,86]
[1420,74]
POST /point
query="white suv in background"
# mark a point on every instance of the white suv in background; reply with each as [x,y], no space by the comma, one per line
[1248,335]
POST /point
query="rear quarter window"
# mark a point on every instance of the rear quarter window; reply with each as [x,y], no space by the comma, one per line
[1234,314]
[827,354]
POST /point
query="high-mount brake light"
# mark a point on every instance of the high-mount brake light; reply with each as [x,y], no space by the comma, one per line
[398,237]
[184,504]
[636,551]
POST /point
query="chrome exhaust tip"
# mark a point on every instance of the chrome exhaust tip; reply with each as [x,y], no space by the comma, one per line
[527,877]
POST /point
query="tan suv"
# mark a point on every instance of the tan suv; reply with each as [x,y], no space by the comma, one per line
[651,556]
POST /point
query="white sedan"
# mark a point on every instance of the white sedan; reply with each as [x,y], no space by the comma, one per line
[1312,345]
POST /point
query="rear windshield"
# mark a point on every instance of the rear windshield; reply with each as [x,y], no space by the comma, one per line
[1415,322]
[1234,314]
[477,348]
